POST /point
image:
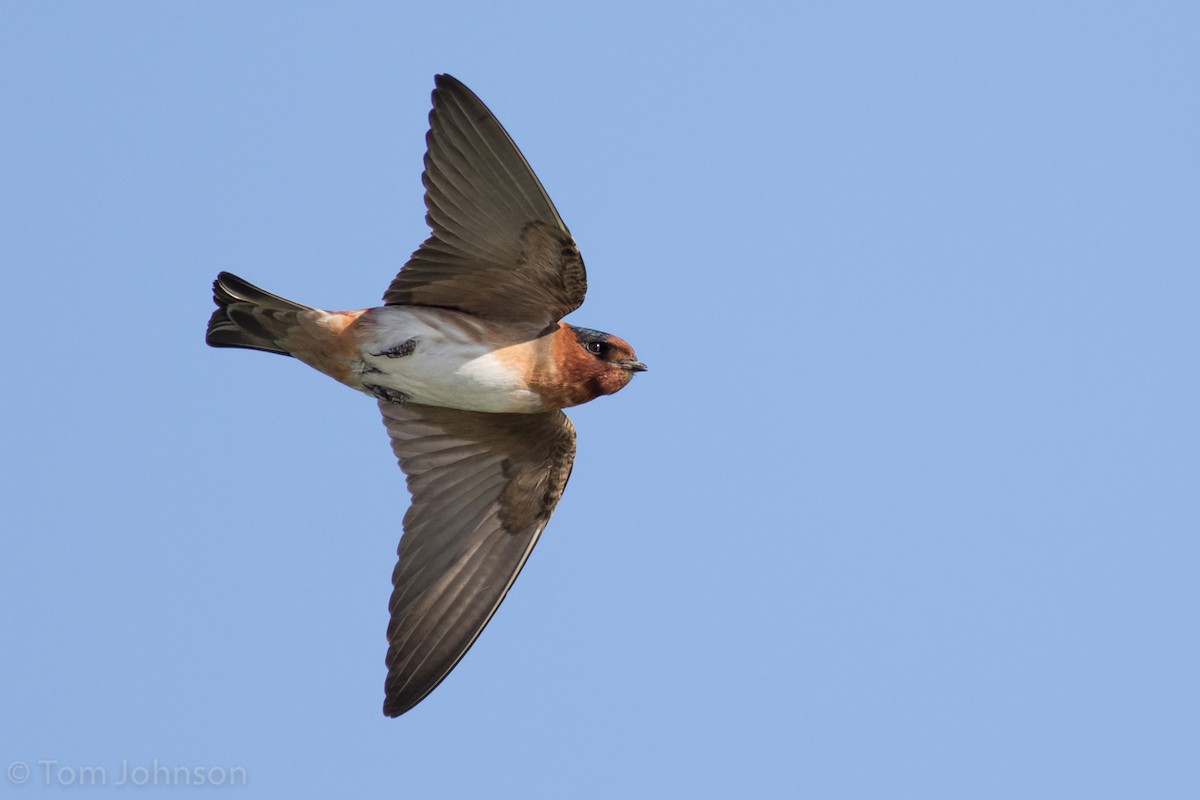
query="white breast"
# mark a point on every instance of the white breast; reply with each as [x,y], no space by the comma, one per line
[456,361]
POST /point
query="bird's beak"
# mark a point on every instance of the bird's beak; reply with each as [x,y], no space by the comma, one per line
[631,365]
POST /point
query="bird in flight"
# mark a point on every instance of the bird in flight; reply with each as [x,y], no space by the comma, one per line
[471,366]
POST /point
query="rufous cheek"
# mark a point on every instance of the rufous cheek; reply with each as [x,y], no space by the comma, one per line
[615,379]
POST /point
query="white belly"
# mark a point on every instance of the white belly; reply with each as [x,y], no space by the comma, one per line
[455,360]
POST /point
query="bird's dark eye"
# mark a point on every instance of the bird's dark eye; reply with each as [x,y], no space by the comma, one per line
[595,347]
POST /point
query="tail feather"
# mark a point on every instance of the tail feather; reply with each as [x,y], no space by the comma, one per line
[250,317]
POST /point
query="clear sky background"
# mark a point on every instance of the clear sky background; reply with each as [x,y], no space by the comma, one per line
[906,506]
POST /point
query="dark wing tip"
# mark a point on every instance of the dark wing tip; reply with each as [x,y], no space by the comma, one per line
[449,84]
[396,705]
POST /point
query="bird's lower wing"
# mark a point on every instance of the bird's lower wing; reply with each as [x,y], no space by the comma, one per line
[483,487]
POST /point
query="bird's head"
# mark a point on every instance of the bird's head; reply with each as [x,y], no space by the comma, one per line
[596,363]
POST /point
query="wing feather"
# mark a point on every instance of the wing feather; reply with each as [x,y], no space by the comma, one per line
[498,247]
[483,488]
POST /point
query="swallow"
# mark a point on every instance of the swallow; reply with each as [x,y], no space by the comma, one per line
[471,365]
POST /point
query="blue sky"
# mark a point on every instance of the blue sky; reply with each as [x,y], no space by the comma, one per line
[906,506]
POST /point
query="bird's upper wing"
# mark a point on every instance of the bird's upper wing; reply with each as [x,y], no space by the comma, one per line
[483,487]
[498,249]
